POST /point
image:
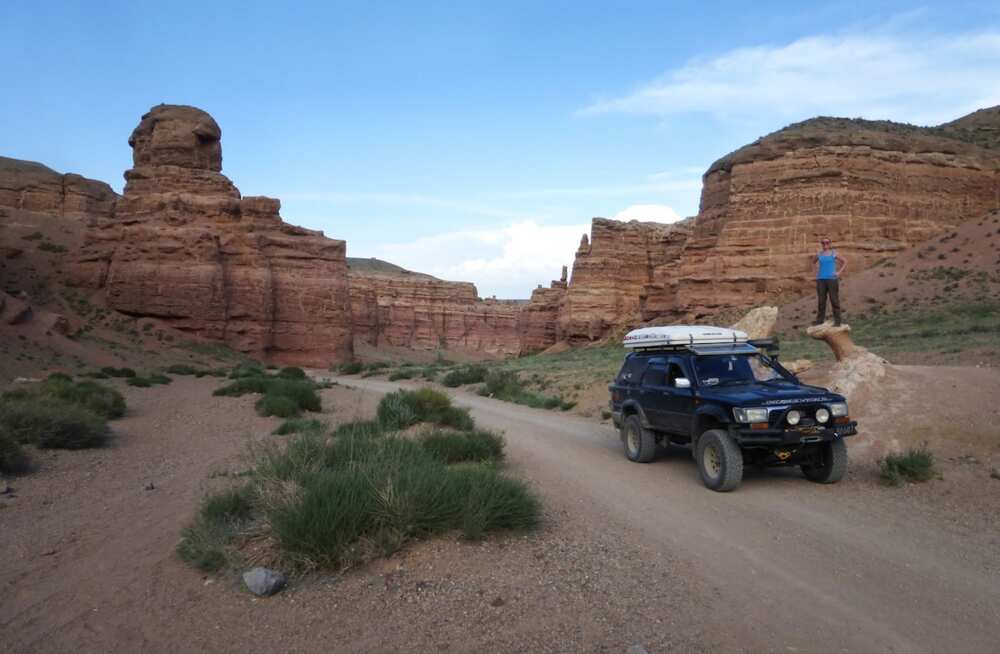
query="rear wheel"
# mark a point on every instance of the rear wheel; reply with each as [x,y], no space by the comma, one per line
[720,460]
[830,465]
[640,444]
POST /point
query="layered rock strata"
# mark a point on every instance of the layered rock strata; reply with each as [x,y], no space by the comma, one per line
[182,245]
[30,186]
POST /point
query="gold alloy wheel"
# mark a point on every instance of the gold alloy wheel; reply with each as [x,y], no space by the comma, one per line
[712,462]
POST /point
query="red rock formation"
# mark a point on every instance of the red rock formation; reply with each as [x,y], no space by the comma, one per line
[615,275]
[398,308]
[30,186]
[184,246]
[873,187]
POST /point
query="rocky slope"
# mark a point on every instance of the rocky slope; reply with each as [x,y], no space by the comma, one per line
[184,246]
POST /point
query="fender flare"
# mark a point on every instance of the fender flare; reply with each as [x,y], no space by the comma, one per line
[633,406]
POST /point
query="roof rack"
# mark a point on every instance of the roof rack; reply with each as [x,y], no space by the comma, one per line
[676,336]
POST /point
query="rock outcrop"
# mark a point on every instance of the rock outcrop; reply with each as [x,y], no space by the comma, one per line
[855,367]
[394,307]
[183,246]
[30,186]
[874,187]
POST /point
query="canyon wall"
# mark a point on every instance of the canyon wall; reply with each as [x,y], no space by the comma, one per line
[182,245]
[30,186]
[874,187]
[409,310]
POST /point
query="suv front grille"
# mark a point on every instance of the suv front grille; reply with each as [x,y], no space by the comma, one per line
[776,419]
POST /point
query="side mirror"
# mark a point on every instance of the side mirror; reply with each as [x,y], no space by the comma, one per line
[682,382]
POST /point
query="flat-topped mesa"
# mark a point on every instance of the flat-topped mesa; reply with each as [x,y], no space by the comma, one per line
[185,247]
[874,187]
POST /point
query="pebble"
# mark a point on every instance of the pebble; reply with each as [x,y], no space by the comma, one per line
[637,649]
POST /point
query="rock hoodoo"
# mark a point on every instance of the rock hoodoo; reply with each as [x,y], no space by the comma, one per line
[182,245]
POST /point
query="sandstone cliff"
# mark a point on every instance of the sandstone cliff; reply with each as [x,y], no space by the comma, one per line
[394,307]
[184,246]
[874,187]
[30,186]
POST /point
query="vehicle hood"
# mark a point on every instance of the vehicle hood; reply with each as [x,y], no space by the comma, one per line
[762,394]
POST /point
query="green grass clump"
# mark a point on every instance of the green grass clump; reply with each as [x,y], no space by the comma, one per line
[51,423]
[139,382]
[285,398]
[404,408]
[506,385]
[212,372]
[459,446]
[48,246]
[102,400]
[12,456]
[429,373]
[183,369]
[297,425]
[221,517]
[292,373]
[157,378]
[471,374]
[281,406]
[350,368]
[915,465]
[118,372]
[404,373]
[251,369]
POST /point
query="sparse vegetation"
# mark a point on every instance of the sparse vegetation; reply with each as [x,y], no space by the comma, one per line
[402,409]
[281,396]
[469,374]
[51,423]
[297,425]
[363,491]
[13,458]
[118,372]
[49,246]
[183,369]
[350,368]
[915,465]
[507,385]
[139,382]
[292,373]
[402,373]
[100,399]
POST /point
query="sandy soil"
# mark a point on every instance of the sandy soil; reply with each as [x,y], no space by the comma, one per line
[628,554]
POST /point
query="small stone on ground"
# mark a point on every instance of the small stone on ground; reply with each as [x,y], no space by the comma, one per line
[264,582]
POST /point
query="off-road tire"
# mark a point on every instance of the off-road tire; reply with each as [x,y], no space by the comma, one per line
[833,466]
[720,461]
[640,444]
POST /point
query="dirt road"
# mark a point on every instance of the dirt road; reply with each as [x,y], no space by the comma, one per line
[797,566]
[627,554]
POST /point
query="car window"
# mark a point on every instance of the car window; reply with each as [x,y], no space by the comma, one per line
[655,375]
[673,373]
[729,369]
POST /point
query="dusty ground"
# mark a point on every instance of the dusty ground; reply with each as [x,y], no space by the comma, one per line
[629,554]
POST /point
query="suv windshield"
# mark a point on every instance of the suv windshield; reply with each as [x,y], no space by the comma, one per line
[731,369]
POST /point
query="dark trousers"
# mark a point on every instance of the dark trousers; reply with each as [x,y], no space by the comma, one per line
[825,287]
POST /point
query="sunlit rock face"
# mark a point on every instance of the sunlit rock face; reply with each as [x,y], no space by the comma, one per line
[184,246]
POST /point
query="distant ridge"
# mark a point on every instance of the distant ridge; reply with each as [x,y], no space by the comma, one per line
[373,265]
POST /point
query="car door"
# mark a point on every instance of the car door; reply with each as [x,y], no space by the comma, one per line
[678,402]
[653,393]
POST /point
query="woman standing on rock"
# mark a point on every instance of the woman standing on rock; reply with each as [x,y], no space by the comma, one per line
[828,281]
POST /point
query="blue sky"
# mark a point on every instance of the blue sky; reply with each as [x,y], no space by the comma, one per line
[475,141]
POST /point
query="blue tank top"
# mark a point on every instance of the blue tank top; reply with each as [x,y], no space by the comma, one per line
[827,265]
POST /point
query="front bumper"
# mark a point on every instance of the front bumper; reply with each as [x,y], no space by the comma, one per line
[747,437]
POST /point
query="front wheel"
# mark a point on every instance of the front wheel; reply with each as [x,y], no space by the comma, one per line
[830,465]
[720,461]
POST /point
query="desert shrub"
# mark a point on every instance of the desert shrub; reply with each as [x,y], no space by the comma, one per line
[472,374]
[368,494]
[376,366]
[139,382]
[458,447]
[34,236]
[296,425]
[251,369]
[292,373]
[212,372]
[281,406]
[914,465]
[350,368]
[429,373]
[102,400]
[507,386]
[48,422]
[404,373]
[301,392]
[157,378]
[48,246]
[96,375]
[183,369]
[12,455]
[118,372]
[220,518]
[403,408]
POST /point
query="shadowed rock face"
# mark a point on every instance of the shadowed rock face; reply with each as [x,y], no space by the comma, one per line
[184,246]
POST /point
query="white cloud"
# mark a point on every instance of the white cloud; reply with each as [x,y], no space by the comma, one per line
[910,78]
[507,261]
[657,213]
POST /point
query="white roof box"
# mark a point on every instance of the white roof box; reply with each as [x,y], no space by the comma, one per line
[680,335]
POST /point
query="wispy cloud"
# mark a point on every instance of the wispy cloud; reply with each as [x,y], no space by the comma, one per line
[406,199]
[907,77]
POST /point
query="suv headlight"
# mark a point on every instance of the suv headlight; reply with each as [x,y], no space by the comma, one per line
[822,415]
[838,409]
[750,415]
